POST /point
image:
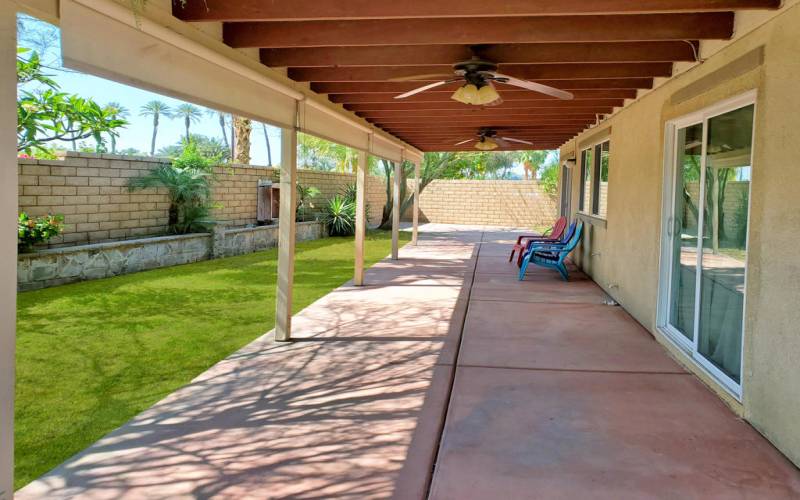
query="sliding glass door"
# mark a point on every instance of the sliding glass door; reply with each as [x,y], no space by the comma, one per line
[705,244]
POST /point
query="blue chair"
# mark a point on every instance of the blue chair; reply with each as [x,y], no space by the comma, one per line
[568,234]
[552,255]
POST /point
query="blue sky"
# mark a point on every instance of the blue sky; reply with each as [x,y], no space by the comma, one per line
[139,131]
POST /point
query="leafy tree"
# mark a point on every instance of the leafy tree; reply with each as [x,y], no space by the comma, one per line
[188,183]
[210,148]
[189,113]
[46,115]
[156,109]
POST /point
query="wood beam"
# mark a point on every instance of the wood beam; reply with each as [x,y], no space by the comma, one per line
[523,71]
[449,104]
[361,217]
[483,30]
[447,55]
[400,87]
[259,10]
[396,202]
[430,148]
[411,129]
[415,213]
[8,244]
[286,236]
[483,114]
[481,122]
[523,96]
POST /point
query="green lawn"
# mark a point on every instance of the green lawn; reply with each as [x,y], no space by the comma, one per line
[92,355]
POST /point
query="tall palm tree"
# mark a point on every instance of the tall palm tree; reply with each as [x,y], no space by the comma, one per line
[190,114]
[242,127]
[116,111]
[269,149]
[223,124]
[156,109]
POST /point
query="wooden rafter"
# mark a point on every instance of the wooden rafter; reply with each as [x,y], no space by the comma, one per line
[297,10]
[487,30]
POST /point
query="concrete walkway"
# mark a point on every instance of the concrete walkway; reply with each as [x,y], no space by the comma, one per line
[547,393]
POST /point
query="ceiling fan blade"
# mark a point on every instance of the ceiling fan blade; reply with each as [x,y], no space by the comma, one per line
[536,87]
[510,139]
[463,142]
[422,89]
[432,76]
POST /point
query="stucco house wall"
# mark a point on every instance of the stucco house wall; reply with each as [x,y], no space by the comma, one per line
[622,253]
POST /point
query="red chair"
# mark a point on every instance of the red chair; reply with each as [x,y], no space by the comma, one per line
[553,234]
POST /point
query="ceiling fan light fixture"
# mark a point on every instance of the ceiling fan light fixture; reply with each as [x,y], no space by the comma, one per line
[468,94]
[486,144]
[487,95]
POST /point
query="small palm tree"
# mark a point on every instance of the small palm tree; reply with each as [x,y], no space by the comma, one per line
[188,183]
[190,114]
[116,111]
[156,109]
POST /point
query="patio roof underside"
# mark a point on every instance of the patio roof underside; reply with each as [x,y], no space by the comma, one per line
[602,51]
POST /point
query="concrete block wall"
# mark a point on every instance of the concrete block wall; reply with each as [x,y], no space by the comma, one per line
[90,191]
[496,203]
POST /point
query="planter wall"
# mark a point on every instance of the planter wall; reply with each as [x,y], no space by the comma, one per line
[59,266]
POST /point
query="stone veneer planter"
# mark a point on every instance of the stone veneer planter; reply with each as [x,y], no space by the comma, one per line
[59,266]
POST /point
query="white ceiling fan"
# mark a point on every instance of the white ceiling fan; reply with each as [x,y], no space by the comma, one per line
[486,140]
[478,89]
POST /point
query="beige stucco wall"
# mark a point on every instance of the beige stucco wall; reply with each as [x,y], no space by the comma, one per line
[623,255]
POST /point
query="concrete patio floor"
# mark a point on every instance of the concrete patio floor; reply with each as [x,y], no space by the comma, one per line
[443,377]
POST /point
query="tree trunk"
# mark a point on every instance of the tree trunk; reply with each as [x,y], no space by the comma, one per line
[242,127]
[187,122]
[224,131]
[172,215]
[155,132]
[269,149]
[113,144]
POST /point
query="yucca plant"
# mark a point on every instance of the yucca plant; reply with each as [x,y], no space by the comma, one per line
[340,216]
[349,194]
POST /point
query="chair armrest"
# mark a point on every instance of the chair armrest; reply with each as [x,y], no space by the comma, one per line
[526,237]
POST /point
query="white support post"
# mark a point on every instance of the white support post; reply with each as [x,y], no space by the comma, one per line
[398,167]
[361,217]
[415,215]
[8,244]
[286,235]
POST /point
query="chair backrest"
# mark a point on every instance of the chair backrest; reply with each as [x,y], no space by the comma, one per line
[570,233]
[558,228]
[572,243]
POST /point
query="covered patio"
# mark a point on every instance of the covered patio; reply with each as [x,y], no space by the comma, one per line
[441,377]
[436,374]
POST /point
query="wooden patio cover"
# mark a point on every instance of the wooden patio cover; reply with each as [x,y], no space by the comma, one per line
[602,51]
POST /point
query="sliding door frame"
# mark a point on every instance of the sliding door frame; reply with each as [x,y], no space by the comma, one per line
[690,347]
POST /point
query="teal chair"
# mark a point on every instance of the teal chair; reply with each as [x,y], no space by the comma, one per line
[551,255]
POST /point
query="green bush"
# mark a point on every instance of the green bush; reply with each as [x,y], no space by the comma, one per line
[304,204]
[340,217]
[39,230]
